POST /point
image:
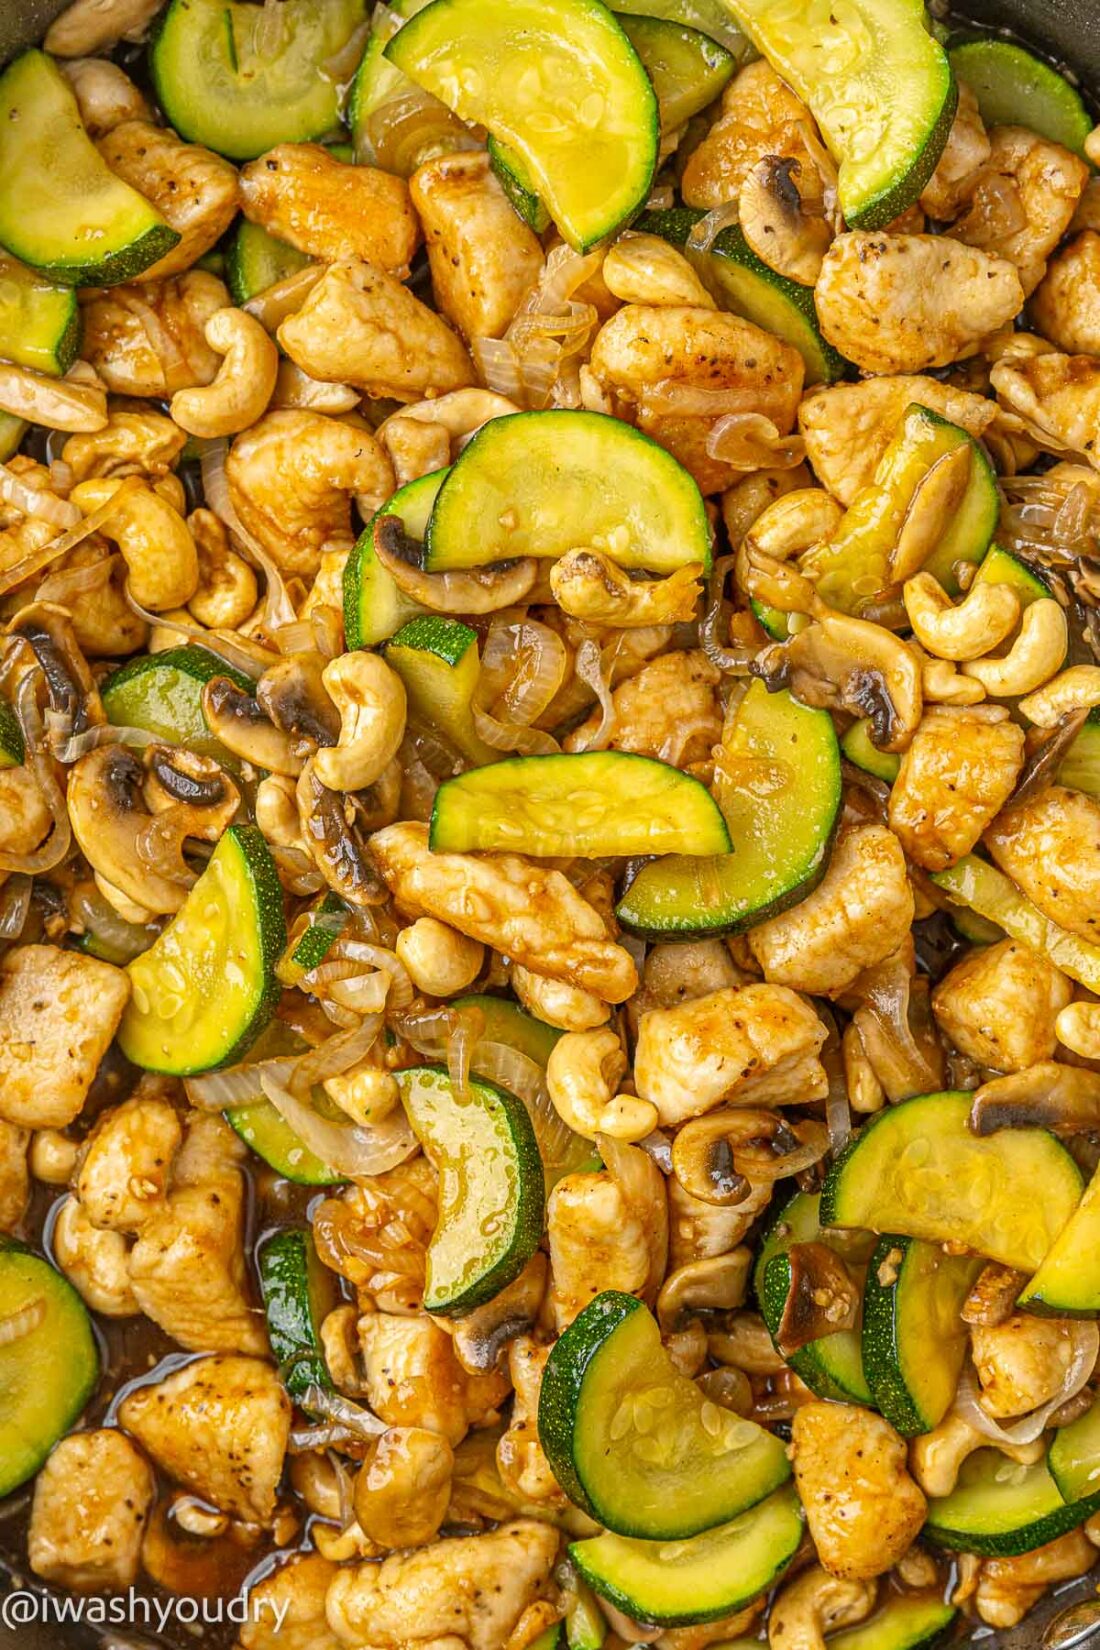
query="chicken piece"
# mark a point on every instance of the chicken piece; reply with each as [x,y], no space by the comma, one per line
[759,117]
[150,340]
[220,1426]
[483,257]
[91,1500]
[1058,397]
[60,1011]
[901,303]
[124,1171]
[669,710]
[700,1231]
[957,774]
[468,1591]
[376,1234]
[529,912]
[188,1266]
[999,1006]
[1009,1587]
[330,209]
[862,1507]
[414,1379]
[521,1460]
[848,427]
[597,1241]
[25,819]
[1044,180]
[360,326]
[1050,847]
[968,148]
[89,26]
[14,1177]
[96,1262]
[749,1046]
[134,441]
[675,370]
[859,914]
[1065,306]
[194,190]
[286,1608]
[1022,1362]
[105,94]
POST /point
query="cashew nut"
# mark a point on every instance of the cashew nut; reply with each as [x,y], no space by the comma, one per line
[53,1157]
[865,1092]
[644,269]
[1034,657]
[371,700]
[227,591]
[987,614]
[815,1604]
[717,1282]
[583,1072]
[556,1002]
[588,585]
[942,683]
[245,383]
[936,1457]
[277,812]
[1078,1028]
[296,389]
[69,403]
[155,542]
[795,522]
[440,960]
[1077,688]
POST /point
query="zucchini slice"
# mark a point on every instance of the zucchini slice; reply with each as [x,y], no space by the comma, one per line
[914,1340]
[710,17]
[1068,1281]
[515,180]
[1000,1509]
[12,431]
[223,81]
[324,923]
[1002,567]
[585,1627]
[859,749]
[62,210]
[906,1621]
[394,123]
[741,282]
[298,1294]
[162,693]
[438,661]
[851,568]
[781,799]
[1081,765]
[832,1366]
[542,483]
[491,1186]
[374,607]
[1074,1458]
[48,1373]
[262,1127]
[591,804]
[257,260]
[1016,88]
[634,1443]
[557,81]
[551,1638]
[687,68]
[918,1170]
[986,890]
[207,988]
[679,1583]
[13,748]
[878,84]
[39,320]
[505,1022]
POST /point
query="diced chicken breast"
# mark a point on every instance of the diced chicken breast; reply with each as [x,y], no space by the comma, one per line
[91,1500]
[59,1010]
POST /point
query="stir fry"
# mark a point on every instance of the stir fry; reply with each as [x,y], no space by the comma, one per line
[550,820]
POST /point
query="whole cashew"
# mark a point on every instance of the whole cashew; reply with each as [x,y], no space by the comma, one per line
[589,585]
[936,1457]
[1078,1027]
[644,269]
[981,621]
[227,591]
[795,522]
[156,544]
[583,1072]
[557,1002]
[440,960]
[815,1604]
[371,700]
[245,383]
[70,403]
[296,389]
[1034,657]
[1077,688]
[865,1092]
[942,683]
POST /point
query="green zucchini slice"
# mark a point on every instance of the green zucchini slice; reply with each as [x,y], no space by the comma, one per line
[13,748]
[257,260]
[859,749]
[298,1294]
[1068,1281]
[635,1443]
[438,661]
[515,180]
[591,804]
[832,1366]
[394,123]
[226,78]
[981,886]
[906,1621]
[557,81]
[679,1583]
[12,431]
[162,693]
[914,1341]
[324,923]
[39,320]
[917,1169]
[710,17]
[542,483]
[270,1136]
[374,607]
[688,69]
[1002,567]
[1074,1458]
[205,990]
[1000,1509]
[1016,88]
[551,1638]
[1081,765]
[505,1022]
[491,1186]
[49,1372]
[878,84]
[62,210]
[781,800]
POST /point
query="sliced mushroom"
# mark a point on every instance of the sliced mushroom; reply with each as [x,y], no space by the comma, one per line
[481,1338]
[718,1158]
[715,1283]
[935,501]
[70,689]
[823,1297]
[780,229]
[843,663]
[293,695]
[336,845]
[240,722]
[1065,1099]
[474,590]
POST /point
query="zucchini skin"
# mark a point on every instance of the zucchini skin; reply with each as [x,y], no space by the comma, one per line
[268,893]
[882,209]
[563,1382]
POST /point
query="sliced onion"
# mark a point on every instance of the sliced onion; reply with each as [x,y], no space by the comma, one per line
[122,941]
[37,501]
[704,234]
[57,844]
[968,1404]
[357,1419]
[279,611]
[499,366]
[15,903]
[235,1086]
[162,340]
[351,1149]
[589,668]
[402,991]
[467,1026]
[74,535]
[106,733]
[749,441]
[335,1055]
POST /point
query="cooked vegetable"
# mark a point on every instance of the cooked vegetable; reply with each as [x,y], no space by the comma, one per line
[909,1621]
[256,260]
[39,321]
[1001,567]
[1068,1281]
[437,659]
[1074,1458]
[688,70]
[914,1340]
[271,1137]
[298,1292]
[986,890]
[395,123]
[830,1365]
[374,607]
[1016,88]
[859,748]
[13,749]
[1081,765]
[1000,1509]
[515,180]
[162,693]
[324,925]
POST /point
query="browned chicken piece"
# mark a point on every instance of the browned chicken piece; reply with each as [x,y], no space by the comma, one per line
[1045,180]
[1009,1587]
[862,1507]
[597,1241]
[968,148]
[150,340]
[670,710]
[759,116]
[330,209]
[24,817]
[1050,847]
[220,1426]
[1058,397]
[194,190]
[287,1607]
[957,774]
[95,1261]
[1065,307]
[89,26]
[520,1457]
[14,1176]
[91,1500]
[59,1010]
[124,1168]
[413,1378]
[1021,1362]
[999,1006]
